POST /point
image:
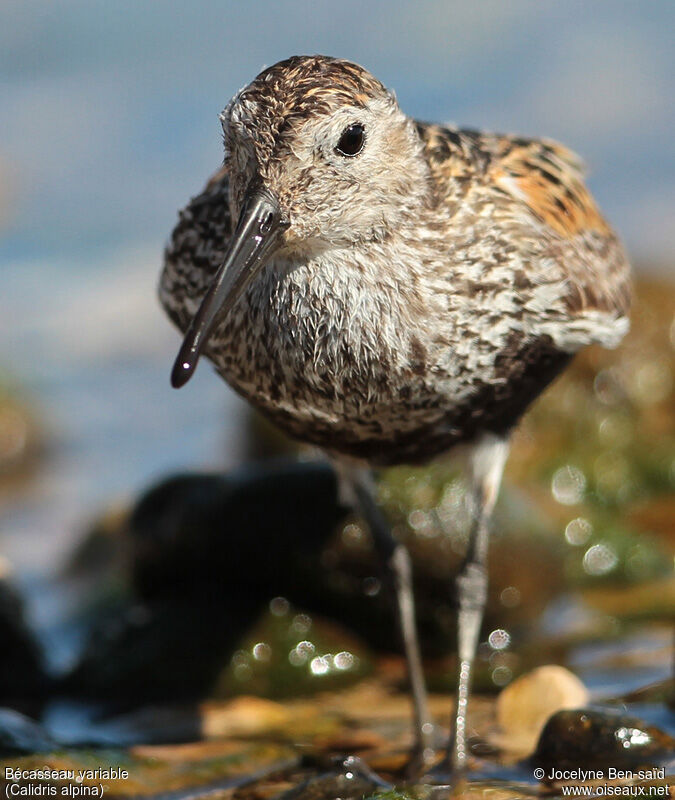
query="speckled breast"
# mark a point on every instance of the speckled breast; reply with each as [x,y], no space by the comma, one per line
[353,375]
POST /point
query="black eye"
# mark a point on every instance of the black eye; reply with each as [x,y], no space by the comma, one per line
[352,140]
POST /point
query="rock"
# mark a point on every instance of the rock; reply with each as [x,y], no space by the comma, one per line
[23,681]
[329,787]
[589,737]
[20,734]
[206,555]
[155,652]
[525,705]
[659,693]
[241,531]
[351,780]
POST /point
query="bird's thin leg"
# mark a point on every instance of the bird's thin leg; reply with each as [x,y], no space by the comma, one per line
[488,462]
[396,562]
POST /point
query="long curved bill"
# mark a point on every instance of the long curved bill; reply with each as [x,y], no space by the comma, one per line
[254,240]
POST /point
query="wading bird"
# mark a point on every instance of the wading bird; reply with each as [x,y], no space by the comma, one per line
[388,289]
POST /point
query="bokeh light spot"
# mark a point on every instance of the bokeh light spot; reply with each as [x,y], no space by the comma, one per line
[499,639]
[279,606]
[578,531]
[568,485]
[600,559]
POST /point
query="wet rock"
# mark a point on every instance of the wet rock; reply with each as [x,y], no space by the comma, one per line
[390,794]
[329,787]
[20,734]
[241,531]
[525,705]
[206,554]
[288,653]
[351,780]
[589,737]
[23,681]
[615,556]
[154,652]
[151,724]
[656,516]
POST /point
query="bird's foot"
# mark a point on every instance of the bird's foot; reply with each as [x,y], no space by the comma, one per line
[424,752]
[448,779]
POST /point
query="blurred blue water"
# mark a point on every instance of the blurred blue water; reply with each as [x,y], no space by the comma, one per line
[109,112]
[109,122]
[93,360]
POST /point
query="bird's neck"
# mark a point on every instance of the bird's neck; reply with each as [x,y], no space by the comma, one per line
[381,269]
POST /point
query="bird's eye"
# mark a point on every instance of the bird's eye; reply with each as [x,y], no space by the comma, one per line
[352,140]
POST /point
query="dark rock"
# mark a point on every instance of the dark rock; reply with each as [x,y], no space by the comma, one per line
[662,692]
[240,532]
[171,650]
[352,779]
[262,532]
[23,681]
[207,553]
[329,787]
[588,737]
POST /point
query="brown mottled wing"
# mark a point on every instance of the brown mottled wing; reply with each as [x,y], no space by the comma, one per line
[196,250]
[547,179]
[546,213]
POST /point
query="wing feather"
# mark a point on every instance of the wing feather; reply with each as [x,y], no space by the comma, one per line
[196,250]
[548,179]
[567,248]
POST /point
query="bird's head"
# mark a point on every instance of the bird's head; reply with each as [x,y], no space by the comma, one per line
[319,156]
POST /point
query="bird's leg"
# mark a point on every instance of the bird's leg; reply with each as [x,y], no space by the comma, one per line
[398,569]
[488,462]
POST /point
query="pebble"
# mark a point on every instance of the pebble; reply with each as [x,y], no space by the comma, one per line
[598,738]
[526,704]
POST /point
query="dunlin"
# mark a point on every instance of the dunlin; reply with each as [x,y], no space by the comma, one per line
[388,289]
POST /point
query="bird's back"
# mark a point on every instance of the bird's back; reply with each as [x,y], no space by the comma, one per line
[543,224]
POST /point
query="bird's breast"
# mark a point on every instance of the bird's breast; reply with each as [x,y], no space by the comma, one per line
[373,365]
[326,343]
